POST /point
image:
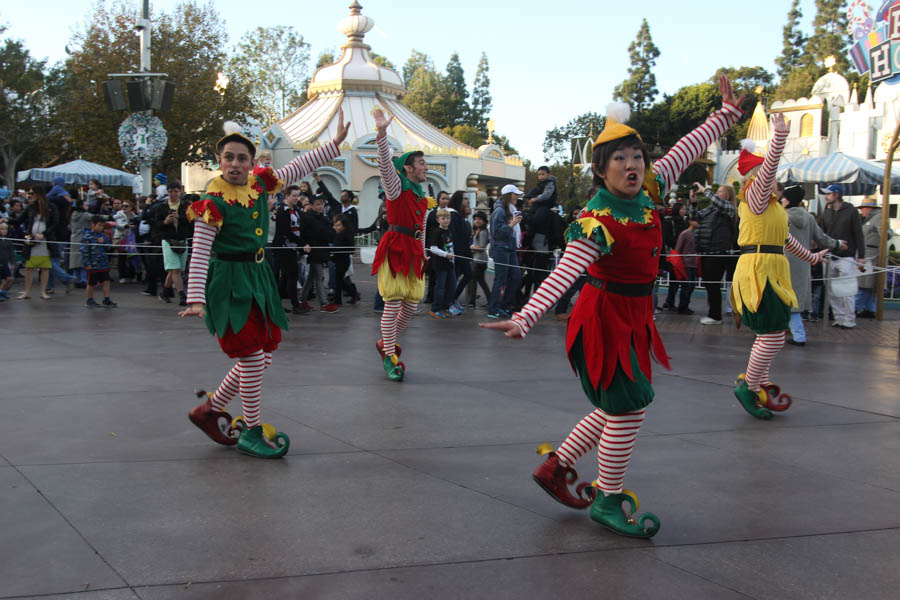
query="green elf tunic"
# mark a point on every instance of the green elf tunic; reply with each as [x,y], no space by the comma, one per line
[242,301]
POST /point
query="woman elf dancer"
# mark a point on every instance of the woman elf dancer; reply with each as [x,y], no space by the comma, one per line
[611,334]
[400,257]
[235,292]
[761,294]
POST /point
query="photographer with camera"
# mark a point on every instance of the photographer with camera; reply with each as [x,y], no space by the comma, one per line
[173,229]
[716,238]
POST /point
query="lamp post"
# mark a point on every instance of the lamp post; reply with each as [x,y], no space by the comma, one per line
[881,275]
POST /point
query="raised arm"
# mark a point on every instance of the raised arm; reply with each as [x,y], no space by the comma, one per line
[691,146]
[302,166]
[390,181]
[760,191]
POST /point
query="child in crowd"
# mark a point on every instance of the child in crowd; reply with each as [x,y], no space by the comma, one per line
[687,248]
[7,261]
[317,232]
[440,245]
[94,244]
[341,256]
[480,239]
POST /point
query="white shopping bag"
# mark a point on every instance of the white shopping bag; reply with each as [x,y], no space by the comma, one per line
[843,281]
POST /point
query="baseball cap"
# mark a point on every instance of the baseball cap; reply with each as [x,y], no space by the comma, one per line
[511,189]
[834,188]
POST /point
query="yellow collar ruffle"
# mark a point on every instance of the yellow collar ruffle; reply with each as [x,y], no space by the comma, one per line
[245,195]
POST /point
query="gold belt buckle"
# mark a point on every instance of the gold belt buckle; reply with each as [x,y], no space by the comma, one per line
[260,255]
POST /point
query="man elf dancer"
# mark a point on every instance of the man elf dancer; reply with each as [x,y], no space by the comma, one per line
[235,291]
[400,257]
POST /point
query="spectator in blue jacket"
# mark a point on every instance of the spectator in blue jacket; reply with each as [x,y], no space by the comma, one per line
[504,252]
[94,244]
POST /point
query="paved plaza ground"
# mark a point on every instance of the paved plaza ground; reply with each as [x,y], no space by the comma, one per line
[423,489]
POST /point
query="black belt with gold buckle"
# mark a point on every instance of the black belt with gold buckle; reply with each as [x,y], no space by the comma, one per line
[634,290]
[413,233]
[258,256]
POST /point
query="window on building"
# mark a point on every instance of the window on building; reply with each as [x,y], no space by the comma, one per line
[806,125]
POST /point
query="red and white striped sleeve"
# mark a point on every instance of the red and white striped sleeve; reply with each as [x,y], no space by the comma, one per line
[760,191]
[202,246]
[691,146]
[800,251]
[390,181]
[579,255]
[302,166]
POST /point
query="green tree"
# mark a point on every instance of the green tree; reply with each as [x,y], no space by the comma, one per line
[276,60]
[457,103]
[829,34]
[189,44]
[416,59]
[467,134]
[326,57]
[382,61]
[639,90]
[793,42]
[427,95]
[798,83]
[24,108]
[482,103]
[557,141]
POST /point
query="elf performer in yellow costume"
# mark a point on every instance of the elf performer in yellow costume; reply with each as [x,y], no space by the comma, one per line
[761,293]
[611,334]
[232,288]
[400,257]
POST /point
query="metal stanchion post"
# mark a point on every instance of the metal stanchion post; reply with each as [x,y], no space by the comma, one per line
[826,273]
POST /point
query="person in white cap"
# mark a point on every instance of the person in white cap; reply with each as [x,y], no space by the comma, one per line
[505,236]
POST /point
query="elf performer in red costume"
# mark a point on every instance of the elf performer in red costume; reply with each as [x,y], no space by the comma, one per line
[235,292]
[762,294]
[611,334]
[400,257]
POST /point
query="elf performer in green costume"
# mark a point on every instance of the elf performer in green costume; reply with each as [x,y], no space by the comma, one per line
[611,334]
[400,256]
[235,292]
[762,294]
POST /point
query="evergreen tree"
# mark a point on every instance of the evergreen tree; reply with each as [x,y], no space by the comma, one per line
[829,36]
[793,42]
[639,90]
[427,95]
[382,61]
[457,103]
[481,97]
[416,59]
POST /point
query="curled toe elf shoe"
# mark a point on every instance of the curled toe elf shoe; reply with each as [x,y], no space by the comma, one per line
[775,399]
[753,402]
[610,512]
[380,346]
[261,441]
[393,368]
[215,424]
[555,479]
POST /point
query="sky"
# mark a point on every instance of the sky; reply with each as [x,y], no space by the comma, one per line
[549,61]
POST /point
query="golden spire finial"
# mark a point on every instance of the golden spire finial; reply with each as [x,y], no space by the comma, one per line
[830,61]
[490,128]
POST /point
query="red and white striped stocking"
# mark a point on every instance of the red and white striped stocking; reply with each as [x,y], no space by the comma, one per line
[407,310]
[251,371]
[762,354]
[614,449]
[584,437]
[389,322]
[227,390]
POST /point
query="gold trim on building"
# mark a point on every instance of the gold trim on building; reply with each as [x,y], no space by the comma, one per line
[785,109]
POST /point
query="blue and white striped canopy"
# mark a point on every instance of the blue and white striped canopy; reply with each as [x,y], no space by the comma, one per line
[79,172]
[857,176]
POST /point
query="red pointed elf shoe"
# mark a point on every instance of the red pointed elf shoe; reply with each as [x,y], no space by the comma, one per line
[214,423]
[775,400]
[555,478]
[380,345]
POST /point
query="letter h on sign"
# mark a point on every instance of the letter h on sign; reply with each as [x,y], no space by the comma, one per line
[880,62]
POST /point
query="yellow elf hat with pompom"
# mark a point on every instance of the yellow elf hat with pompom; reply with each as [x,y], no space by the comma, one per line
[617,114]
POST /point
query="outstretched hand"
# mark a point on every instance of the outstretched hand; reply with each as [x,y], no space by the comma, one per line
[728,93]
[343,128]
[509,328]
[820,256]
[779,123]
[381,122]
[198,310]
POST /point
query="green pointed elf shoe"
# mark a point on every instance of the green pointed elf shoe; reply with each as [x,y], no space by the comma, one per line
[261,441]
[608,511]
[753,402]
[393,368]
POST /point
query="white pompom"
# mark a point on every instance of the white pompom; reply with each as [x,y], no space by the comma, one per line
[618,112]
[231,127]
[748,145]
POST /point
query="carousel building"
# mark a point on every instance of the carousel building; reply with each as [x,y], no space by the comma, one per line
[356,84]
